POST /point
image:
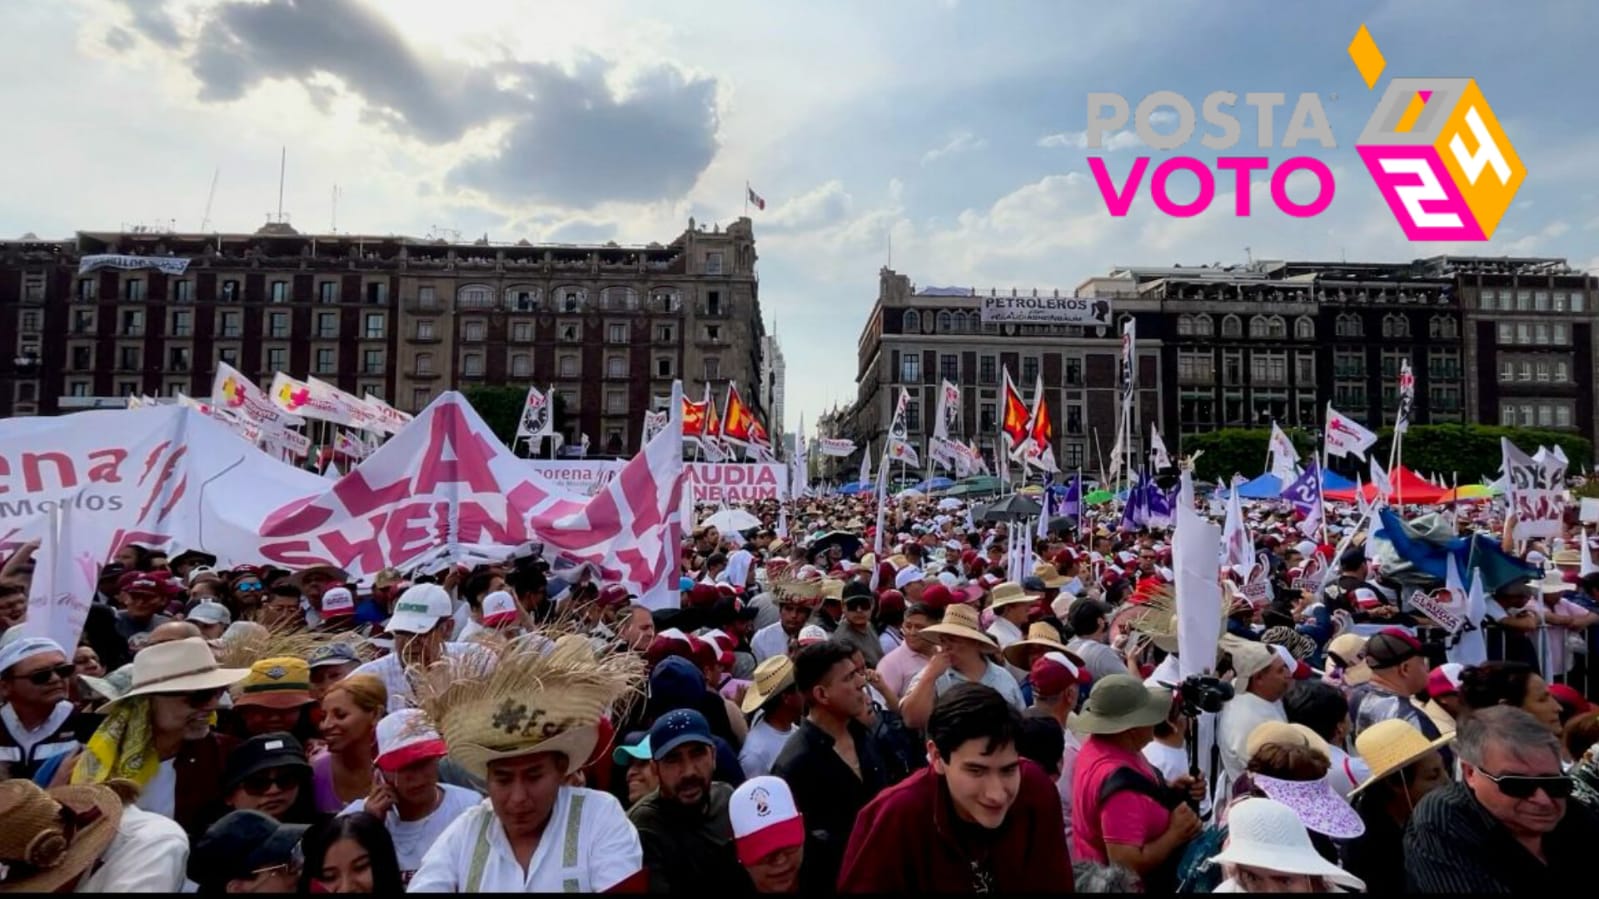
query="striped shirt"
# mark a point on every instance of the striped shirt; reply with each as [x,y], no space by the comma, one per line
[1454,845]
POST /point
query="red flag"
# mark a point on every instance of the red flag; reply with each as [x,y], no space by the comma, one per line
[1013,423]
[737,418]
[693,418]
[755,199]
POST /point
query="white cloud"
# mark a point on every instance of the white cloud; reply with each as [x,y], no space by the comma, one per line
[816,208]
[960,142]
[1078,140]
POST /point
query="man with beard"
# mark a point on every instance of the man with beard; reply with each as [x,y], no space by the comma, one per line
[684,825]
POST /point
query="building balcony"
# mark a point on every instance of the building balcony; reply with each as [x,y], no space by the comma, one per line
[418,338]
[705,310]
[433,307]
[429,375]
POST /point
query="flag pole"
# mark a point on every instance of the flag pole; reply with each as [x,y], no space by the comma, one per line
[746,198]
[1321,475]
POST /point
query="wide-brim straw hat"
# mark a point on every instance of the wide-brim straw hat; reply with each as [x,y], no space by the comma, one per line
[1390,746]
[40,851]
[1050,575]
[1043,635]
[960,621]
[179,666]
[772,676]
[1120,702]
[331,572]
[1009,594]
[525,697]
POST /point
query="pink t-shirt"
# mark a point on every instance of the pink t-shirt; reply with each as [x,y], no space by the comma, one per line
[1128,817]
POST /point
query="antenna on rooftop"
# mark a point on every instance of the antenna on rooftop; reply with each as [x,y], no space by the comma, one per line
[283,162]
[333,222]
[205,220]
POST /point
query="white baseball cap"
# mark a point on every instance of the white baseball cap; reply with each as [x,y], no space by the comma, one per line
[499,608]
[906,576]
[337,602]
[419,609]
[210,612]
[765,819]
[812,633]
[404,738]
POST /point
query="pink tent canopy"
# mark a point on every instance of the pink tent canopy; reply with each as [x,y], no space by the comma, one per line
[1409,487]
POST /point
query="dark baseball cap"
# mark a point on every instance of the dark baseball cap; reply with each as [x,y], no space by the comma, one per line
[239,844]
[1391,647]
[677,727]
[263,753]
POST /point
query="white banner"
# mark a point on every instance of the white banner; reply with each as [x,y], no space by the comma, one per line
[390,419]
[1344,435]
[712,481]
[834,446]
[166,265]
[308,400]
[1046,310]
[1536,491]
[1442,606]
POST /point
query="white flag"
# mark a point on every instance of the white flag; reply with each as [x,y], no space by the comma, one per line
[1237,547]
[1199,615]
[65,570]
[1407,397]
[233,391]
[866,464]
[1284,458]
[899,445]
[1379,479]
[1157,449]
[538,416]
[1345,435]
[1588,567]
[653,423]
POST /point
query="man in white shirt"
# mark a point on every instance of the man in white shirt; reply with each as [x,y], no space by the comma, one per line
[524,726]
[106,845]
[777,706]
[1260,679]
[1010,604]
[406,794]
[795,602]
[37,722]
[421,625]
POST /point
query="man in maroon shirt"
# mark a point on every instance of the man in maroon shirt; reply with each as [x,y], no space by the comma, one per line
[981,819]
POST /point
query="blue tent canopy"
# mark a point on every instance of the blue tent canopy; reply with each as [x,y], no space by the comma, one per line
[937,483]
[857,487]
[1269,486]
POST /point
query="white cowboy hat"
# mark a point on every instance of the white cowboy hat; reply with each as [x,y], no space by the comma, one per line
[1264,833]
[960,621]
[179,666]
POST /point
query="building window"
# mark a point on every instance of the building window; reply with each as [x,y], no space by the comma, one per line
[82,321]
[82,358]
[1562,416]
[1395,326]
[615,402]
[280,291]
[910,368]
[87,289]
[475,296]
[424,329]
[230,292]
[1524,371]
[128,358]
[665,301]
[713,333]
[1203,327]
[182,291]
[377,293]
[665,334]
[372,362]
[985,417]
[132,323]
[327,325]
[616,366]
[1304,328]
[1029,370]
[1348,325]
[326,360]
[1578,303]
[624,298]
[949,367]
[473,331]
[27,391]
[913,417]
[420,397]
[1232,368]
[1526,415]
[1523,332]
[1540,332]
[1074,371]
[133,289]
[472,365]
[182,323]
[713,263]
[912,323]
[1185,326]
[1232,327]
[277,358]
[1562,372]
[522,332]
[427,297]
[570,332]
[713,368]
[1074,418]
[987,372]
[572,300]
[944,321]
[519,299]
[127,388]
[521,365]
[30,321]
[713,302]
[230,355]
[1557,333]
[567,366]
[616,332]
[1507,370]
[424,363]
[1540,300]
[77,388]
[663,366]
[1268,368]
[374,326]
[1304,369]
[178,358]
[327,291]
[1195,367]
[278,324]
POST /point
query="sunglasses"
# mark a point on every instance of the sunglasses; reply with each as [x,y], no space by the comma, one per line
[247,585]
[259,783]
[45,676]
[200,698]
[1523,786]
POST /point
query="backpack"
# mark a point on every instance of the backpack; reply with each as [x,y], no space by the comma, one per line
[1195,873]
[1162,879]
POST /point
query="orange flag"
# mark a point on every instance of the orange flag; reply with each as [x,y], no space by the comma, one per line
[1014,422]
[738,419]
[693,418]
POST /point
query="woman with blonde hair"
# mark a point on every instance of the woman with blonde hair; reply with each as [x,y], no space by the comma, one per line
[351,709]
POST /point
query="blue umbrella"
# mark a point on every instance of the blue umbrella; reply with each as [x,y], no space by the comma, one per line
[939,483]
[857,487]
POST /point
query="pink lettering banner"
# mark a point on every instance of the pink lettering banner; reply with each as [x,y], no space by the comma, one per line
[713,482]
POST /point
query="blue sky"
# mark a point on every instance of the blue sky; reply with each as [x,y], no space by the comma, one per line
[921,123]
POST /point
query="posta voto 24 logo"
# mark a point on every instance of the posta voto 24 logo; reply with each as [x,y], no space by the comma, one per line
[1433,146]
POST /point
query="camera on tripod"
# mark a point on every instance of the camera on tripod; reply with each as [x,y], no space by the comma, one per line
[1202,693]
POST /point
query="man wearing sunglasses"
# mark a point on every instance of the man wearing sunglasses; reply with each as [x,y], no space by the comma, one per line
[1508,826]
[40,722]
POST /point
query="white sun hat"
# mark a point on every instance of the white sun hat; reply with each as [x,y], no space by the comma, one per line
[1264,833]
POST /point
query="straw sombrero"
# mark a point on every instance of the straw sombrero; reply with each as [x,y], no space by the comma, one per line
[524,697]
[1008,594]
[1390,746]
[772,676]
[1156,617]
[960,621]
[790,588]
[53,836]
[1043,635]
[1050,575]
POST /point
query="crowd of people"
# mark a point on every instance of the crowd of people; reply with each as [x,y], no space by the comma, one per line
[812,716]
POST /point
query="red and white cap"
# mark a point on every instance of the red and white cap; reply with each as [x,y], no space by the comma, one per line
[499,608]
[337,602]
[1298,669]
[765,819]
[812,633]
[405,738]
[1367,598]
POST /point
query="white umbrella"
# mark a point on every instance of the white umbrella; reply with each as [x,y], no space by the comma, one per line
[948,503]
[728,520]
[908,493]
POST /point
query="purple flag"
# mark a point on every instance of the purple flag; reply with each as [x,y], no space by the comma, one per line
[1160,506]
[1135,514]
[1071,506]
[1305,492]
